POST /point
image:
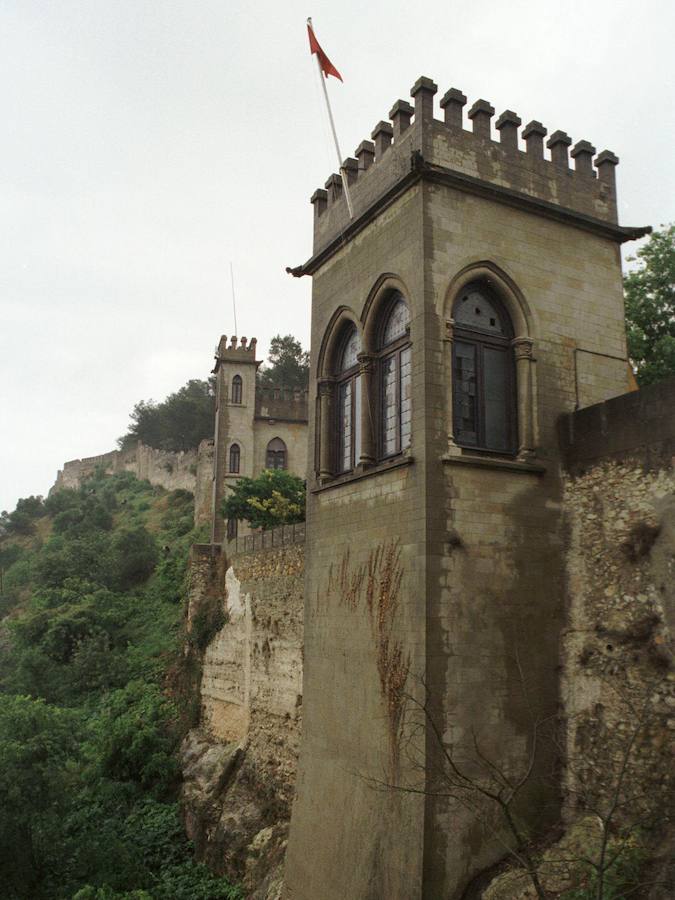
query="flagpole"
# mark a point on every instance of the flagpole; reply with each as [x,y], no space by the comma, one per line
[343,173]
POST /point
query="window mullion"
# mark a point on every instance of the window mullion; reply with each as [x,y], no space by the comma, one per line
[352,439]
[480,395]
[399,441]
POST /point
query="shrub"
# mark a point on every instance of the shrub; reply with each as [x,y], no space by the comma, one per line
[135,554]
[61,500]
[136,738]
[275,497]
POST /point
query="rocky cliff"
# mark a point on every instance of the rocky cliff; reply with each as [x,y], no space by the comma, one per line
[239,763]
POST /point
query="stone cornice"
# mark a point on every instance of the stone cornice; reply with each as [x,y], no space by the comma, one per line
[422,171]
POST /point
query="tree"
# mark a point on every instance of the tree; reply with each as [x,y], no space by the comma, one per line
[36,743]
[288,364]
[650,308]
[178,423]
[275,497]
[22,520]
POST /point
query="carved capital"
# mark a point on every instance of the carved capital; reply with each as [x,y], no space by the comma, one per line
[325,387]
[449,330]
[366,363]
[523,348]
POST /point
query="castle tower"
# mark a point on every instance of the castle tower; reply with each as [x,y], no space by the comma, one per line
[256,427]
[235,372]
[474,297]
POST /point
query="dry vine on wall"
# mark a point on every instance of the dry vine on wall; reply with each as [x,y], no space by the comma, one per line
[377,585]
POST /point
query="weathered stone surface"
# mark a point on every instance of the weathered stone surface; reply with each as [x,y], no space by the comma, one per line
[239,767]
[161,467]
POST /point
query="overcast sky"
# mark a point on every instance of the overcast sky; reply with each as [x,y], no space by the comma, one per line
[148,143]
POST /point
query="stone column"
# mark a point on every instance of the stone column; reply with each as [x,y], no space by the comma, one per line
[448,339]
[325,429]
[368,414]
[523,351]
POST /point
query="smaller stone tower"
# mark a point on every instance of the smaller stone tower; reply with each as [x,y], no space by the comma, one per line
[256,428]
[235,372]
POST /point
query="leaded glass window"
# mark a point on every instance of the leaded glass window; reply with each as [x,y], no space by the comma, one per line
[395,383]
[483,372]
[236,389]
[235,458]
[275,456]
[348,445]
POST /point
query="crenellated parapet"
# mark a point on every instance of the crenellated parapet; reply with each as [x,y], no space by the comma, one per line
[281,403]
[235,350]
[502,156]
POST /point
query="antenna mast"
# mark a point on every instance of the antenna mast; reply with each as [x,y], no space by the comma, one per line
[234,302]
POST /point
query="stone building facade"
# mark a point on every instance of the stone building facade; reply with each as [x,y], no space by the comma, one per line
[255,428]
[473,299]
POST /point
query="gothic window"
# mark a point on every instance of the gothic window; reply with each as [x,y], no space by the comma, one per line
[236,389]
[395,356]
[483,372]
[275,457]
[231,529]
[235,458]
[348,394]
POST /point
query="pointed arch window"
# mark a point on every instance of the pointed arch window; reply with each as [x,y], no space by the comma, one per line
[275,457]
[395,383]
[348,394]
[235,459]
[483,372]
[236,389]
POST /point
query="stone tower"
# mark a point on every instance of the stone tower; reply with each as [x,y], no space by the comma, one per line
[235,372]
[256,427]
[473,298]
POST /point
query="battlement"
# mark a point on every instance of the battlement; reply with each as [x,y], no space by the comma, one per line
[281,403]
[479,160]
[237,350]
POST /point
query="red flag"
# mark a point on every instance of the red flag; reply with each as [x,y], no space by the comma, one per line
[327,66]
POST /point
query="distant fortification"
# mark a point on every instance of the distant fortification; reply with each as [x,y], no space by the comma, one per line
[189,470]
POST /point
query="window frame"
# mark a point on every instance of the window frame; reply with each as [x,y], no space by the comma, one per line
[350,377]
[481,339]
[394,350]
[235,453]
[276,453]
[237,390]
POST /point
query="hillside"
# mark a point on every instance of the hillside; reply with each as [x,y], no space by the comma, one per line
[95,696]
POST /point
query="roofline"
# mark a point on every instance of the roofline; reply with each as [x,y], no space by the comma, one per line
[422,171]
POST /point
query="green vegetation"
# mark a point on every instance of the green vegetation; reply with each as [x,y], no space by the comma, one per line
[288,364]
[622,875]
[186,417]
[650,308]
[275,497]
[93,697]
[178,423]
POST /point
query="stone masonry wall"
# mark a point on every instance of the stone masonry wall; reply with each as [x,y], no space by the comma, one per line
[169,470]
[190,470]
[618,676]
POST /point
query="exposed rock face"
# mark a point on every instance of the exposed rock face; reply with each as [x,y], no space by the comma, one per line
[618,646]
[239,765]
